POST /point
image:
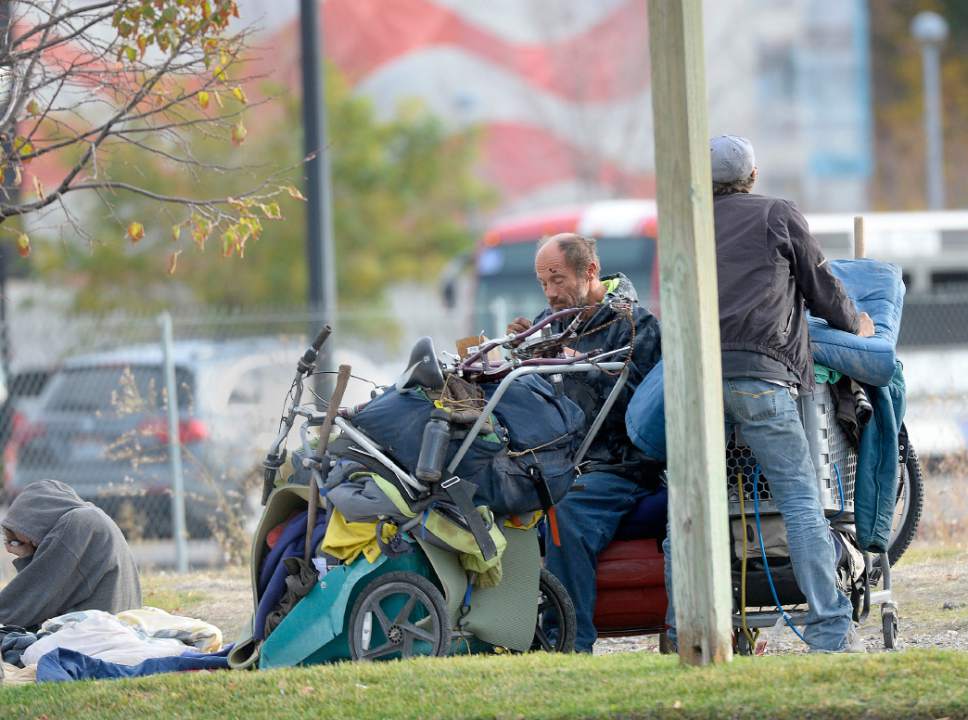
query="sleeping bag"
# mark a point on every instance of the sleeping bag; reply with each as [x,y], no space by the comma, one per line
[876,288]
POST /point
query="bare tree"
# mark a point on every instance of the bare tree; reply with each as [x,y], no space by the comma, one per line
[87,86]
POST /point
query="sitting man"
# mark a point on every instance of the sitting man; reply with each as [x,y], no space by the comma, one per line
[70,556]
[611,483]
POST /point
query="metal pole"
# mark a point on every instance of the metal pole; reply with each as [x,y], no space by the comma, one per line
[320,256]
[174,447]
[931,30]
[932,126]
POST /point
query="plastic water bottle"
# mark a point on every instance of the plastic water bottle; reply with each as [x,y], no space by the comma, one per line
[433,447]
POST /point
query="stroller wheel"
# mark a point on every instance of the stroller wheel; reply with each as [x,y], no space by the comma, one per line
[889,626]
[557,627]
[399,615]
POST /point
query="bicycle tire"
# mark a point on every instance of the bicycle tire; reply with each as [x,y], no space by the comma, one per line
[913,482]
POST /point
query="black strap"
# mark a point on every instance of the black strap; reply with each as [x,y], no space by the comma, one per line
[540,487]
[461,493]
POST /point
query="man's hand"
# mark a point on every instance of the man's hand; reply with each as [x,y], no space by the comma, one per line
[866,325]
[518,325]
[17,545]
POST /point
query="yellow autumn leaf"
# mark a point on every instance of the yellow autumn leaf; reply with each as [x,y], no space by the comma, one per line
[294,192]
[136,231]
[219,73]
[23,245]
[239,94]
[272,211]
[238,133]
[175,232]
[203,100]
[23,146]
[33,107]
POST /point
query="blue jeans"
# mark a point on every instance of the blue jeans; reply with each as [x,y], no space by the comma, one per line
[587,521]
[766,415]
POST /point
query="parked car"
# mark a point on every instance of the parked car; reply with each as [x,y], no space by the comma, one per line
[22,398]
[101,425]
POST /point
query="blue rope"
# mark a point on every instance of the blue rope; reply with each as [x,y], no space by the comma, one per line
[423,523]
[840,488]
[467,595]
[766,564]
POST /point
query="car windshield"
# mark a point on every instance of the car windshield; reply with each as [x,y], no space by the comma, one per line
[115,389]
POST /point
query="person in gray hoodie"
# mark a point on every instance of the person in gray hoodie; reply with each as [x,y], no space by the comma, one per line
[70,556]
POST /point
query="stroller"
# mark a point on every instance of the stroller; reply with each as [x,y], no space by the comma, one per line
[427,548]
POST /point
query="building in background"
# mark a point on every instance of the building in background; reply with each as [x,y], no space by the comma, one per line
[561,88]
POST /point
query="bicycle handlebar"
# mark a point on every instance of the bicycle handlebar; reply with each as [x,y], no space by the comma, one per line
[518,337]
[322,337]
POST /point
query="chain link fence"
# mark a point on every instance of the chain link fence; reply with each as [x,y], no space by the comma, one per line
[87,403]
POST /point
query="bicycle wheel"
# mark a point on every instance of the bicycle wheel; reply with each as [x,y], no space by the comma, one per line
[399,615]
[908,507]
[557,627]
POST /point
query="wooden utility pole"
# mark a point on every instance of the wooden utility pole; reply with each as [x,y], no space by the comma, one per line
[690,334]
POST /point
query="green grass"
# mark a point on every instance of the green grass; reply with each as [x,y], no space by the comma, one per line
[156,592]
[912,684]
[920,554]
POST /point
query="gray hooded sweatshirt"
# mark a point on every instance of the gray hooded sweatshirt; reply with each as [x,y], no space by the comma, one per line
[82,561]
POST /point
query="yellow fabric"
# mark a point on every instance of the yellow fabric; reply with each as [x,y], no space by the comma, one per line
[346,540]
[610,284]
[516,522]
[390,490]
[157,623]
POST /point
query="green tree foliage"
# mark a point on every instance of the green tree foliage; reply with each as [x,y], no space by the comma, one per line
[401,193]
[898,103]
[84,85]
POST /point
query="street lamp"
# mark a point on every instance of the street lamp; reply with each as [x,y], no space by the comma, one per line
[931,30]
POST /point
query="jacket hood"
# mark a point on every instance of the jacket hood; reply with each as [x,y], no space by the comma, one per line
[619,287]
[39,507]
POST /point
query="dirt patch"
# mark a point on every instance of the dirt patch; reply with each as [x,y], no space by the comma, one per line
[221,597]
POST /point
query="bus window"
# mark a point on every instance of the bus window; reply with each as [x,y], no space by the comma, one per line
[507,288]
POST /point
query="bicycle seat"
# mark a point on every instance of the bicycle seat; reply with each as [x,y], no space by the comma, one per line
[423,369]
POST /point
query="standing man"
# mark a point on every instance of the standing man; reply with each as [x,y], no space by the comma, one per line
[770,271]
[612,480]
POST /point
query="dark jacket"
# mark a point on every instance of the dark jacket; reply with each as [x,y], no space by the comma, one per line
[82,561]
[770,271]
[609,329]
